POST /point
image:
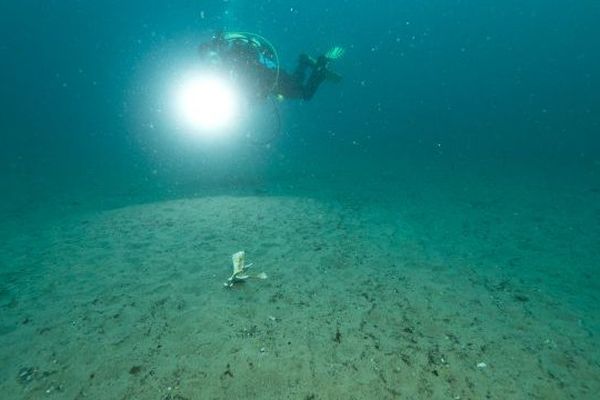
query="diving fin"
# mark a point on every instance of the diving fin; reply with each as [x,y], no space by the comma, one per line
[335,53]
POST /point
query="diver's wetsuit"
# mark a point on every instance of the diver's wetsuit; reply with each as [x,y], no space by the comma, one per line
[261,76]
[298,85]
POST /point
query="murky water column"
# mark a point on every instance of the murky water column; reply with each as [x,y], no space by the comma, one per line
[231,15]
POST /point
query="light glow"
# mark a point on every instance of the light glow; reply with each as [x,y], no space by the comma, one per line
[207,103]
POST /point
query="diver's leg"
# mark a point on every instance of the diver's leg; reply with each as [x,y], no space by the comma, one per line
[304,61]
[318,75]
[289,87]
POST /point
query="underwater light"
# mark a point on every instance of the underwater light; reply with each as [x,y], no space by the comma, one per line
[207,103]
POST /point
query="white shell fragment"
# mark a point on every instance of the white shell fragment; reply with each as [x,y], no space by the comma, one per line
[238,260]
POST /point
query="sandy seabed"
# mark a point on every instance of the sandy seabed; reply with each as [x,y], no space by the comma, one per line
[129,303]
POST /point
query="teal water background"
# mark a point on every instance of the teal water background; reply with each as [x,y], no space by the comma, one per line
[456,83]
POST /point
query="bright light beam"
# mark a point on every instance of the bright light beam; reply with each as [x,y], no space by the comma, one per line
[207,103]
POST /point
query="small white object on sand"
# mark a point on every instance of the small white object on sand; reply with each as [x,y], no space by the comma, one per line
[240,270]
[481,365]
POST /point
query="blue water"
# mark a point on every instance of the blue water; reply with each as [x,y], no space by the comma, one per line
[474,81]
[469,127]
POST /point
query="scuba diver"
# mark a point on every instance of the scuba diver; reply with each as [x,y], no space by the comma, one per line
[253,63]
